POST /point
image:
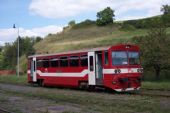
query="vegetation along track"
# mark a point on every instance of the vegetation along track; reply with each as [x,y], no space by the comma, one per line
[142,92]
[154,92]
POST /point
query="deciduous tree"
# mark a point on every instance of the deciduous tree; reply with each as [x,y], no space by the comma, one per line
[166,15]
[155,48]
[105,16]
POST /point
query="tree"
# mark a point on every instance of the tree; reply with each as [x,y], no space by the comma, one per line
[38,39]
[166,14]
[1,48]
[8,55]
[165,9]
[72,23]
[105,16]
[155,48]
[1,60]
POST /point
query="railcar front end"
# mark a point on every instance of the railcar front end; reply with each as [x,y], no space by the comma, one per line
[124,71]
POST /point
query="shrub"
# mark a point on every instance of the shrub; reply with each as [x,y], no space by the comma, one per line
[127,27]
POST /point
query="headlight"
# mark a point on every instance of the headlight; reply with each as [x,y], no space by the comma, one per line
[117,71]
[140,70]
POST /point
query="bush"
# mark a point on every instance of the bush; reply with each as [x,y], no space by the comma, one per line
[127,27]
[142,23]
[72,23]
[83,24]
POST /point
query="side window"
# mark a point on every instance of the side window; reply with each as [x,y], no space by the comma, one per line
[91,63]
[63,61]
[54,62]
[45,63]
[74,61]
[106,57]
[39,63]
[84,61]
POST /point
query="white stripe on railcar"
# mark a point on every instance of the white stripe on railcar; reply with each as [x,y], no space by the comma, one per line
[85,72]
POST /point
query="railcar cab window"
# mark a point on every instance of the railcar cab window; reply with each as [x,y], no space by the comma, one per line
[119,58]
[84,61]
[63,61]
[134,58]
[74,61]
[54,62]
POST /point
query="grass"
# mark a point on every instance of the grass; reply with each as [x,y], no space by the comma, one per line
[86,38]
[94,102]
[156,85]
[14,79]
[97,102]
[22,80]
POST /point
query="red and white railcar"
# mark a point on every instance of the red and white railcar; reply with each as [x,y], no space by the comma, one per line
[117,67]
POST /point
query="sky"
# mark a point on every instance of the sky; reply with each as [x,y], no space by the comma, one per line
[41,17]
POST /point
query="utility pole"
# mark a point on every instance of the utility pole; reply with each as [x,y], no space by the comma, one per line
[17,51]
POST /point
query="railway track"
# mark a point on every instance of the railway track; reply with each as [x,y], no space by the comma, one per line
[155,93]
[2,110]
[142,92]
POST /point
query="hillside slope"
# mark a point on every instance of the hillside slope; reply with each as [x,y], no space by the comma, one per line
[85,37]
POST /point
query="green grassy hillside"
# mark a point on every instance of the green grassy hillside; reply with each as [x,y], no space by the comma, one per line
[85,37]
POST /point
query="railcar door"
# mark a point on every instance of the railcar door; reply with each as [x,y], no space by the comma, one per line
[33,69]
[91,68]
[99,69]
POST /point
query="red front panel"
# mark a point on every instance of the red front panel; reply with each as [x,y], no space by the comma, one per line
[129,76]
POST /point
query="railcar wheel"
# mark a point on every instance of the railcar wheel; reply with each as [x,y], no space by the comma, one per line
[91,88]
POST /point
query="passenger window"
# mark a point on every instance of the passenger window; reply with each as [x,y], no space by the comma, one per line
[39,63]
[64,61]
[84,61]
[45,63]
[74,61]
[54,62]
[106,57]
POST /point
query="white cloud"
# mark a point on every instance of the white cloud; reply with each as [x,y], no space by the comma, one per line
[67,8]
[9,35]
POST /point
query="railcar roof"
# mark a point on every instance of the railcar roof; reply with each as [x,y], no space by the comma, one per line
[69,52]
